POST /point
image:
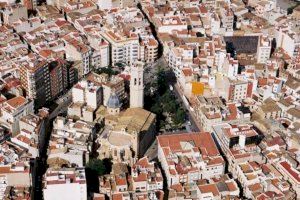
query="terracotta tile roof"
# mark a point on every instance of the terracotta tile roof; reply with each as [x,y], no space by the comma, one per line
[121,181]
[16,102]
[215,161]
[177,188]
[187,72]
[255,187]
[209,188]
[231,186]
[202,140]
[233,112]
[117,197]
[276,141]
[292,172]
[141,177]
[143,162]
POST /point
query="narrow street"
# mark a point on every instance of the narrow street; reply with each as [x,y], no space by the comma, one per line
[39,164]
[63,103]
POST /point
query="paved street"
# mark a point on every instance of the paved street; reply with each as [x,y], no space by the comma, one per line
[151,69]
[195,125]
[150,73]
[63,103]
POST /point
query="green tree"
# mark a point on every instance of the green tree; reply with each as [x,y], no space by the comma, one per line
[107,70]
[167,97]
[156,108]
[170,107]
[179,117]
[161,82]
[199,34]
[100,167]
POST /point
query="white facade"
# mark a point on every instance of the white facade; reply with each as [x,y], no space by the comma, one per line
[13,110]
[27,25]
[100,57]
[230,67]
[72,191]
[104,4]
[77,94]
[287,40]
[178,58]
[137,85]
[263,50]
[86,92]
[65,184]
[75,50]
[227,19]
[169,156]
[123,50]
[127,52]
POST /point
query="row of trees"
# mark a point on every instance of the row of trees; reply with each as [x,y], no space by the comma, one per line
[95,168]
[163,102]
[107,70]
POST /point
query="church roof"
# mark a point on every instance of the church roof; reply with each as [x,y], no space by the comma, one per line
[135,120]
[113,101]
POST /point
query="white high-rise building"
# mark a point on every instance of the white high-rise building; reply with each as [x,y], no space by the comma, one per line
[66,183]
[137,85]
[263,49]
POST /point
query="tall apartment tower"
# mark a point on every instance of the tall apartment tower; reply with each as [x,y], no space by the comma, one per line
[137,85]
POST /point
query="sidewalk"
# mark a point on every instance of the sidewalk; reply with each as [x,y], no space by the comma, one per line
[191,113]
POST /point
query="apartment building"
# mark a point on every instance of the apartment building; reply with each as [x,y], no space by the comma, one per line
[179,57]
[239,143]
[72,135]
[86,98]
[264,49]
[13,110]
[237,89]
[227,17]
[187,158]
[287,39]
[290,174]
[212,110]
[145,178]
[123,48]
[270,109]
[46,80]
[101,55]
[35,78]
[65,183]
[108,84]
[76,50]
[111,4]
[149,50]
